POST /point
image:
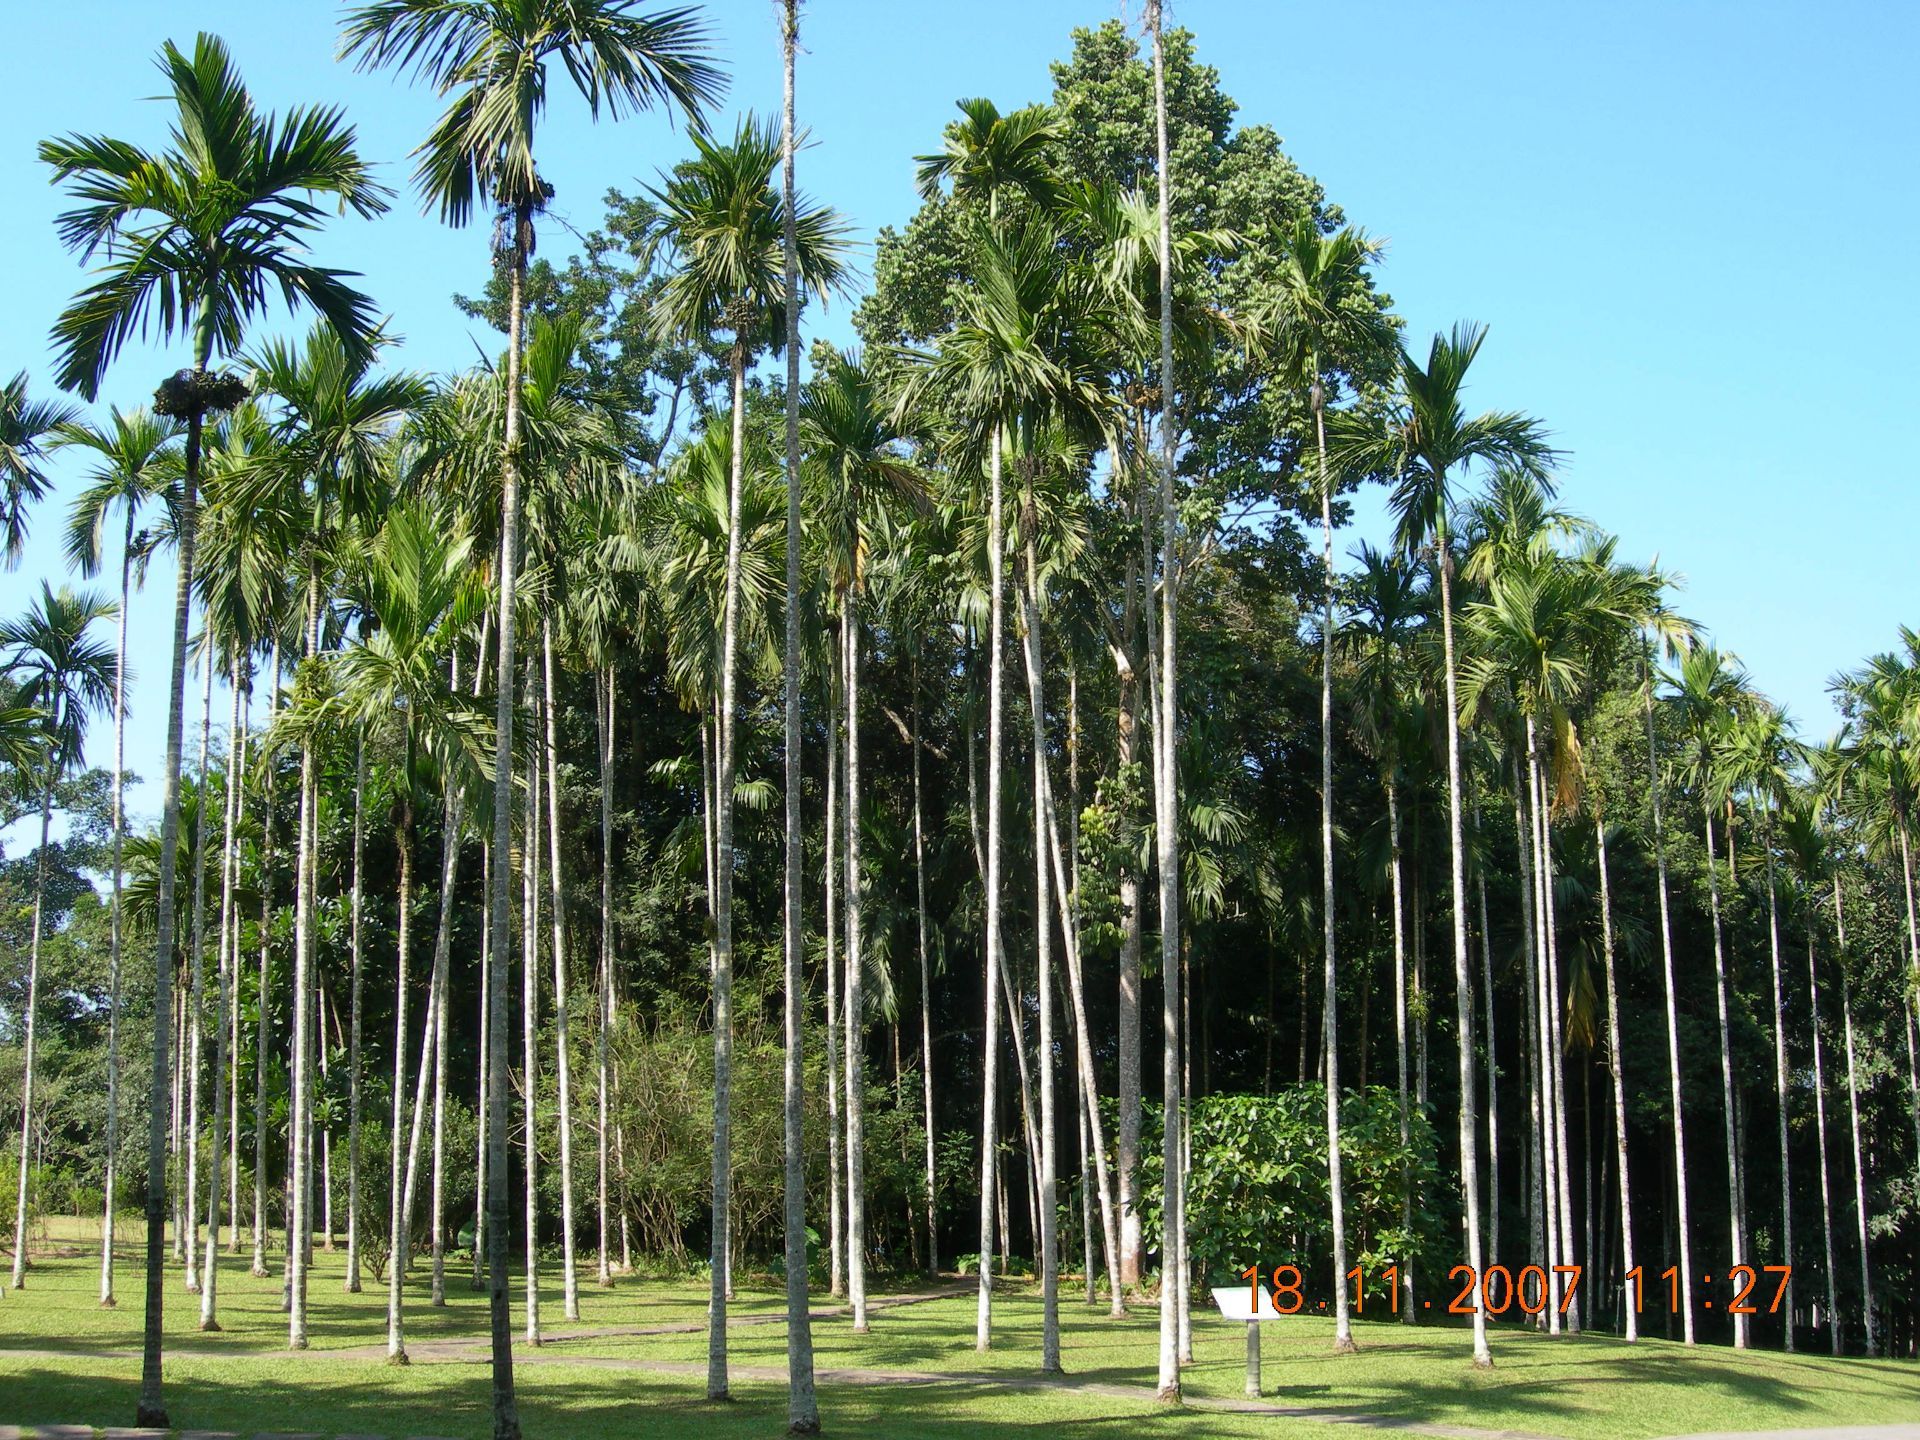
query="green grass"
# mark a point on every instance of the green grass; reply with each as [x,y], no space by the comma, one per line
[63,1359]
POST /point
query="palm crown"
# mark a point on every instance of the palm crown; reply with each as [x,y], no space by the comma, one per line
[201,234]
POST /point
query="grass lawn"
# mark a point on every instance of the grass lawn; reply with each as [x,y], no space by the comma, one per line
[64,1360]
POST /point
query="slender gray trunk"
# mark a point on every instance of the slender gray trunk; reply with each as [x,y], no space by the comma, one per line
[530,862]
[803,1412]
[990,1041]
[603,723]
[32,1038]
[1463,985]
[151,1409]
[197,963]
[562,1063]
[836,1160]
[116,918]
[261,1035]
[926,990]
[1342,1322]
[1047,1238]
[228,961]
[1616,1067]
[1853,1112]
[449,873]
[397,1217]
[1166,777]
[1408,1315]
[355,1011]
[717,1384]
[1547,985]
[1673,1022]
[1734,1206]
[855,1017]
[299,1113]
[1493,1072]
[1820,1125]
[1780,1085]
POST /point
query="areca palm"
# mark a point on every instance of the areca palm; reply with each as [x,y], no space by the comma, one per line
[803,1413]
[198,237]
[1024,353]
[25,427]
[135,460]
[490,61]
[335,417]
[727,226]
[64,674]
[419,593]
[1710,689]
[1762,757]
[1314,322]
[1427,441]
[856,448]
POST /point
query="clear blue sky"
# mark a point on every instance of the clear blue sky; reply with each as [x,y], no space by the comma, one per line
[1688,225]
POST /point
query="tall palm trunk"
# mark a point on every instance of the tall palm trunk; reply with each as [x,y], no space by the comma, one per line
[261,1035]
[397,1207]
[115,919]
[1734,1206]
[1563,1167]
[1617,1068]
[926,988]
[1048,1237]
[196,1002]
[506,1415]
[481,1153]
[1395,863]
[1493,1072]
[233,1011]
[990,1042]
[1673,1019]
[717,1385]
[32,1038]
[228,962]
[1820,1126]
[1780,1086]
[356,988]
[603,723]
[803,1413]
[1342,1323]
[563,1065]
[1549,1051]
[1853,1112]
[151,1410]
[299,1116]
[1463,985]
[855,1016]
[439,987]
[836,1135]
[1064,888]
[1913,972]
[1166,777]
[530,861]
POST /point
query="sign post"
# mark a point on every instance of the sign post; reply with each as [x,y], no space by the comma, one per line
[1238,1302]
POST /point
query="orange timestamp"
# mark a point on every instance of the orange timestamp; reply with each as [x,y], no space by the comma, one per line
[1498,1289]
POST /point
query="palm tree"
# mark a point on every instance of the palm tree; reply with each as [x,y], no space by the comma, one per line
[419,593]
[1024,354]
[25,424]
[1386,608]
[1309,321]
[202,234]
[1166,784]
[1710,689]
[1762,758]
[334,419]
[727,226]
[137,459]
[491,61]
[857,453]
[62,672]
[1427,439]
[1805,842]
[803,1411]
